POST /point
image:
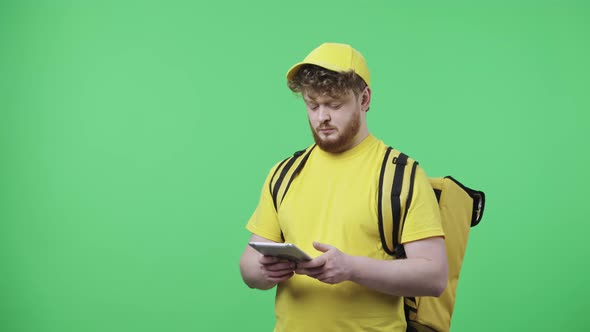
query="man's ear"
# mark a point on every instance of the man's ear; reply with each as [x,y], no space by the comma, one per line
[366,99]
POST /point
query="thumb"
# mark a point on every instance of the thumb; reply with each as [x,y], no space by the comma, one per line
[322,247]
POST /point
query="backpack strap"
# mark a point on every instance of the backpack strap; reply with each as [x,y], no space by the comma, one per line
[284,174]
[391,201]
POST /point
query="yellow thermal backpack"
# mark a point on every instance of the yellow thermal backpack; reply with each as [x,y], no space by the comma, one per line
[460,208]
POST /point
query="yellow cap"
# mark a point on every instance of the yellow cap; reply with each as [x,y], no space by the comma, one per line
[335,57]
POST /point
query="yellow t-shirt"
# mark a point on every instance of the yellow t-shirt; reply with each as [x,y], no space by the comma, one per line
[334,201]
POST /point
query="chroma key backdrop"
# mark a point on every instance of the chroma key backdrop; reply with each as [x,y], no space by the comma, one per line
[135,137]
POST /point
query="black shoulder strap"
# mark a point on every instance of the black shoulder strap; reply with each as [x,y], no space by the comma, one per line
[389,194]
[297,170]
[390,185]
[396,205]
[380,201]
[283,172]
[400,252]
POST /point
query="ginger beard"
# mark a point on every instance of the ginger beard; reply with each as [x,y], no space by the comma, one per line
[339,139]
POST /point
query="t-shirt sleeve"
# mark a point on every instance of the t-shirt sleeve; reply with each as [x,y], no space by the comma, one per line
[423,219]
[264,221]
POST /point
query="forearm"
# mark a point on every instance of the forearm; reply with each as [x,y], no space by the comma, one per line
[401,277]
[252,274]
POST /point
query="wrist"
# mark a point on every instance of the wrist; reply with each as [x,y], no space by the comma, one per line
[354,268]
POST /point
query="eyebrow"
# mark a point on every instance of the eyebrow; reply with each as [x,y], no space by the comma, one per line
[329,101]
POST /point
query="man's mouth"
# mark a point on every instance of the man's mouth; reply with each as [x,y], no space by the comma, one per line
[326,130]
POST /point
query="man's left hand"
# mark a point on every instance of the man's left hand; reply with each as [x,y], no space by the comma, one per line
[332,267]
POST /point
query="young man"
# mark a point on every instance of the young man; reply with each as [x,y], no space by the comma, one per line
[330,212]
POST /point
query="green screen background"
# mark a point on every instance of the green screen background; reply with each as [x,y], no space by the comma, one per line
[135,136]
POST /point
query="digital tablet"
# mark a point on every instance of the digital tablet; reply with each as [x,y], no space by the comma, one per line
[286,251]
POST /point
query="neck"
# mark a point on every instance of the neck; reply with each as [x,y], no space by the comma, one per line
[360,136]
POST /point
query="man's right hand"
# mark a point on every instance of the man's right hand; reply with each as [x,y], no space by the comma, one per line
[276,270]
[263,272]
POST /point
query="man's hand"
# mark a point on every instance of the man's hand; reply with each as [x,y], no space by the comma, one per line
[275,270]
[332,267]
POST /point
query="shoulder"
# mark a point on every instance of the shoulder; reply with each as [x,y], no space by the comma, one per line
[287,163]
[398,157]
[391,151]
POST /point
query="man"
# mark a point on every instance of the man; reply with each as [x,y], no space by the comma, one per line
[330,212]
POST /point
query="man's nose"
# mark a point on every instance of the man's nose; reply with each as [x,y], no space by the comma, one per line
[324,113]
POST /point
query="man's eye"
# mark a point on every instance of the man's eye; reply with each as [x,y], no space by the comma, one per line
[312,106]
[335,106]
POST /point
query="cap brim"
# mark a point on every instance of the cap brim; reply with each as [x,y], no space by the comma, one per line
[293,70]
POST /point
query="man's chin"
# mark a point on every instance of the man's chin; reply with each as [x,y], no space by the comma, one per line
[331,145]
[333,142]
[327,140]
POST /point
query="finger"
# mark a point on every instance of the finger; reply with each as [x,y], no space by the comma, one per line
[278,274]
[326,280]
[268,260]
[280,266]
[277,280]
[316,262]
[312,272]
[322,246]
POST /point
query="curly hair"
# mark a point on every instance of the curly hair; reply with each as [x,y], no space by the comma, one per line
[318,80]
